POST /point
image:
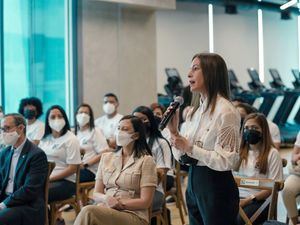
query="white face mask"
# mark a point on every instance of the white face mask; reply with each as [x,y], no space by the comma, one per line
[123,138]
[82,119]
[57,124]
[10,138]
[109,108]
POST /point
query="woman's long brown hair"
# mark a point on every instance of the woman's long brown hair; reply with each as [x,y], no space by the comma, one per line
[266,143]
[215,77]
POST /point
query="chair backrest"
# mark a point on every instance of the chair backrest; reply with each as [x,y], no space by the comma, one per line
[51,166]
[261,184]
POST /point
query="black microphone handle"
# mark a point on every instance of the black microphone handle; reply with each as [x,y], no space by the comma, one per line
[168,116]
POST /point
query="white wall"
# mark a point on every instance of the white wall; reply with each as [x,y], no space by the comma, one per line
[280,45]
[235,38]
[184,31]
[117,53]
[179,35]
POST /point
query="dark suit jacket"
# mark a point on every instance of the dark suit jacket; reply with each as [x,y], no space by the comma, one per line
[29,182]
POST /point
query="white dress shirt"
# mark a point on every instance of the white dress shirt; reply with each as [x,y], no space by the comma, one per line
[215,137]
[108,125]
[13,165]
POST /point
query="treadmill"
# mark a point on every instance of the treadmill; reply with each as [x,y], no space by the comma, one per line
[296,84]
[237,91]
[288,131]
[269,95]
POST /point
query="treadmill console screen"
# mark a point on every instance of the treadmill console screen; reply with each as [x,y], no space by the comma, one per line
[232,76]
[275,74]
[254,75]
[172,72]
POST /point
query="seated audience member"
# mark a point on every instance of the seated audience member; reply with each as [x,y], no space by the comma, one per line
[158,112]
[292,184]
[108,123]
[245,109]
[62,147]
[258,159]
[125,181]
[157,109]
[23,172]
[160,148]
[32,109]
[92,142]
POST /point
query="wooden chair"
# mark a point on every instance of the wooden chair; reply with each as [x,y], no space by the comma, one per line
[51,166]
[73,201]
[271,201]
[176,192]
[161,214]
[84,189]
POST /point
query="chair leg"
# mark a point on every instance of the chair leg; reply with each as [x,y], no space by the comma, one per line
[181,199]
[53,212]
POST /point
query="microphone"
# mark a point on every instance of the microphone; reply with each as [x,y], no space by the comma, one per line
[178,101]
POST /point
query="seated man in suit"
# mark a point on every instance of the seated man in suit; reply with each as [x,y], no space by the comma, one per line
[23,172]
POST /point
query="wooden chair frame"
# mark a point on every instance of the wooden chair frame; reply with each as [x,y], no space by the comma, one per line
[73,201]
[261,184]
[51,166]
[84,189]
[176,192]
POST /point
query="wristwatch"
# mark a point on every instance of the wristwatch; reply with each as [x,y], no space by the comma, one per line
[85,165]
[253,198]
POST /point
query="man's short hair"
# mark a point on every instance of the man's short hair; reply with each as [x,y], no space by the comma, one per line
[111,95]
[18,119]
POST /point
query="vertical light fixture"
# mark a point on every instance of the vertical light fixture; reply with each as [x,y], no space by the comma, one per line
[211,28]
[69,83]
[261,62]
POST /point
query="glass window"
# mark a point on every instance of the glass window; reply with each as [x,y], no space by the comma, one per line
[36,52]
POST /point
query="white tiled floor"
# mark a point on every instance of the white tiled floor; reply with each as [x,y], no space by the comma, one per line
[285,153]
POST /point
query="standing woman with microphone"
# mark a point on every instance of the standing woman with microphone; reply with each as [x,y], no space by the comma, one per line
[210,144]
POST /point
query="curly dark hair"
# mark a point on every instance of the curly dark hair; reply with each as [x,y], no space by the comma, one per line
[36,102]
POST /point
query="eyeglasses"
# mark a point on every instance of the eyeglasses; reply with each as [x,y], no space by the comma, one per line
[6,129]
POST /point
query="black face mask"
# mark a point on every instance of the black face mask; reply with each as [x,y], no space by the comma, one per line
[157,119]
[147,126]
[29,114]
[252,136]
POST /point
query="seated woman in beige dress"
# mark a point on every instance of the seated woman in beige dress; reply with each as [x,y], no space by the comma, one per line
[125,181]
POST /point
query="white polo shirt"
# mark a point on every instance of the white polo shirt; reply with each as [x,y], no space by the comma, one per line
[108,125]
[93,142]
[274,131]
[297,143]
[64,151]
[274,170]
[161,154]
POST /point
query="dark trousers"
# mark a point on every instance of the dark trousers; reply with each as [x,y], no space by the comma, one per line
[250,210]
[86,176]
[11,216]
[61,190]
[212,197]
